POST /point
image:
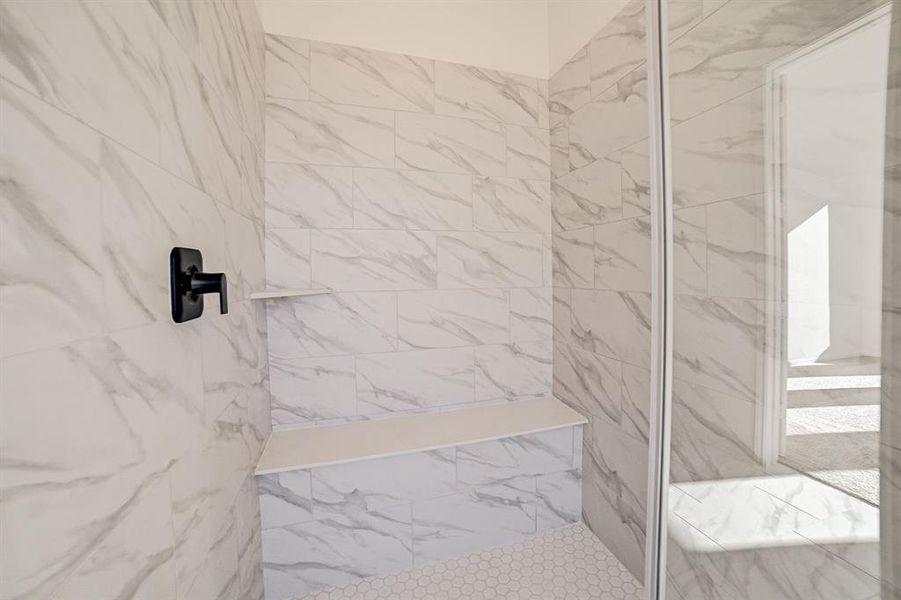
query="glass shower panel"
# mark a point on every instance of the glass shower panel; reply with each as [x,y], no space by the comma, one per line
[780,452]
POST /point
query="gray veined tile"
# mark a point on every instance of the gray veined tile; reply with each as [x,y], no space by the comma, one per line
[570,87]
[308,196]
[511,370]
[388,199]
[451,145]
[48,44]
[690,256]
[573,255]
[588,196]
[618,48]
[475,93]
[446,318]
[736,248]
[622,255]
[636,390]
[547,260]
[467,521]
[335,550]
[361,486]
[590,383]
[245,254]
[285,498]
[530,314]
[476,260]
[562,314]
[636,180]
[329,134]
[397,381]
[528,152]
[559,149]
[288,258]
[544,116]
[44,307]
[333,324]
[719,154]
[615,119]
[559,497]
[613,324]
[504,204]
[287,67]
[349,75]
[344,259]
[309,389]
[509,459]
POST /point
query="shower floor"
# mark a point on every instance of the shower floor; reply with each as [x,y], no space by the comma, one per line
[569,563]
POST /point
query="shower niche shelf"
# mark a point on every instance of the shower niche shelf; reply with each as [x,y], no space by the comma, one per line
[275,294]
[294,449]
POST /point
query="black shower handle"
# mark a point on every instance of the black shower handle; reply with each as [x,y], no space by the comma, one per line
[211,283]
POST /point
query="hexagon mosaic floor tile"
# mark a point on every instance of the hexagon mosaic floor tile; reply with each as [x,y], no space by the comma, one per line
[569,563]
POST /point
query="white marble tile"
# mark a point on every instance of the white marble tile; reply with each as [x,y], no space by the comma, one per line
[335,550]
[412,380]
[615,119]
[308,196]
[42,306]
[544,115]
[570,87]
[245,255]
[329,134]
[618,48]
[690,252]
[475,93]
[387,199]
[559,497]
[622,256]
[504,204]
[437,143]
[348,75]
[718,343]
[438,319]
[636,180]
[636,401]
[530,314]
[288,258]
[481,260]
[528,152]
[511,370]
[588,196]
[285,498]
[368,485]
[373,260]
[146,212]
[49,44]
[562,314]
[508,459]
[464,522]
[547,260]
[719,154]
[588,382]
[559,149]
[736,248]
[613,324]
[574,258]
[306,389]
[333,324]
[287,67]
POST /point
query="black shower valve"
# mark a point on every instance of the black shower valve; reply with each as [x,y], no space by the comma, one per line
[188,284]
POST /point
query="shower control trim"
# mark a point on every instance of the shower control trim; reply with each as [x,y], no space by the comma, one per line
[188,284]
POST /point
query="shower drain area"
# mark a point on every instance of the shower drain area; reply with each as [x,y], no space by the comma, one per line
[568,563]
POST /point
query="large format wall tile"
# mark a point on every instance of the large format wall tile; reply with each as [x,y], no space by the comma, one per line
[435,143]
[287,67]
[484,260]
[288,258]
[528,152]
[618,48]
[588,196]
[507,459]
[511,370]
[308,196]
[570,87]
[448,318]
[389,199]
[613,324]
[308,389]
[348,75]
[505,204]
[373,260]
[475,93]
[622,256]
[328,134]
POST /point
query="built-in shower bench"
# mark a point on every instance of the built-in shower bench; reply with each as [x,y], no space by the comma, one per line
[368,498]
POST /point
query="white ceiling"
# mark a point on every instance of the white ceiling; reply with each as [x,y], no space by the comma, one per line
[530,37]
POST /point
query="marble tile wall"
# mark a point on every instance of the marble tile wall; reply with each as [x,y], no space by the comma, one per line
[601,252]
[419,192]
[335,524]
[128,441]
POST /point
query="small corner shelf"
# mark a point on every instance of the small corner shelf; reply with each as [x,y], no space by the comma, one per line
[273,294]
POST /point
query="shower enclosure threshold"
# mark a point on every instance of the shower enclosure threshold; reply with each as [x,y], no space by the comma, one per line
[567,563]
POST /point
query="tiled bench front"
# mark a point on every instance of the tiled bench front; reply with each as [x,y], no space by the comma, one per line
[331,524]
